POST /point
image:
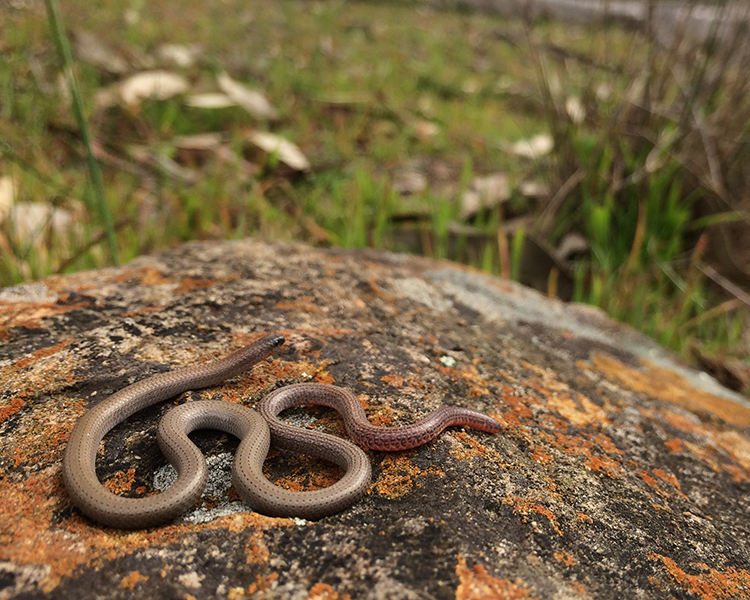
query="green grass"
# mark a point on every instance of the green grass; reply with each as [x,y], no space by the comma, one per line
[357,86]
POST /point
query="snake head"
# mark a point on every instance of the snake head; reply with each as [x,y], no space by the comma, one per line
[274,341]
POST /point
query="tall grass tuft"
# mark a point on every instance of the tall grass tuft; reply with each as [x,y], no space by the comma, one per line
[652,169]
[57,30]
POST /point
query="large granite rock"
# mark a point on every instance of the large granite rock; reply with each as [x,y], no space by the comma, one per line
[619,473]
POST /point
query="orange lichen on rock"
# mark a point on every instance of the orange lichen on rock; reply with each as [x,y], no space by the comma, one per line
[30,314]
[11,407]
[527,506]
[470,448]
[53,371]
[668,386]
[303,305]
[675,445]
[310,474]
[262,583]
[477,584]
[189,284]
[478,385]
[575,407]
[28,537]
[711,584]
[256,550]
[584,445]
[398,474]
[131,580]
[323,591]
[394,380]
[651,483]
[671,480]
[519,408]
[149,276]
[121,481]
[564,557]
[541,457]
[735,446]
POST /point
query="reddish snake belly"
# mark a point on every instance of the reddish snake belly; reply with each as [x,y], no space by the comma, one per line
[101,505]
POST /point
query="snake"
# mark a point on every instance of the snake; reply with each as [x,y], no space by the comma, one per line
[257,430]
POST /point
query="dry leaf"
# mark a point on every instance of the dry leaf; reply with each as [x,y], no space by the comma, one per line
[407,182]
[194,150]
[31,219]
[287,152]
[575,110]
[534,189]
[426,130]
[253,102]
[484,192]
[91,49]
[211,100]
[7,196]
[156,85]
[539,145]
[155,159]
[200,141]
[179,55]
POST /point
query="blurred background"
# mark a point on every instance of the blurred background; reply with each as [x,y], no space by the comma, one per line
[597,151]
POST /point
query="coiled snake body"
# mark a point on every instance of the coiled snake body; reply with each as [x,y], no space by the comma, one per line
[256,430]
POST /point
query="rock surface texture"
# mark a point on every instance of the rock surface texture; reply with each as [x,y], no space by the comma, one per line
[618,474]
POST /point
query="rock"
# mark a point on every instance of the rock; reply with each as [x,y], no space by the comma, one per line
[619,473]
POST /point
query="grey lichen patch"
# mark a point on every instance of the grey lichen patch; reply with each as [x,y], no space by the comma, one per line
[34,291]
[216,492]
[420,291]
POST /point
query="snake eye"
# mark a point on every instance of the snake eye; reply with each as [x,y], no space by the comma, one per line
[276,340]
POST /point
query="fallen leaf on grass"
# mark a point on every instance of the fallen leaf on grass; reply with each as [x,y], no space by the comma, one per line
[534,189]
[179,55]
[575,110]
[210,100]
[89,48]
[154,85]
[484,192]
[534,147]
[161,162]
[200,141]
[426,130]
[32,219]
[286,151]
[194,150]
[252,101]
[7,196]
[407,182]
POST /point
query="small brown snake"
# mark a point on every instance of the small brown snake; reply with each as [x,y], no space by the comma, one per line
[256,432]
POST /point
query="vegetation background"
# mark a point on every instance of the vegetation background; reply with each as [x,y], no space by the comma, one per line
[600,162]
